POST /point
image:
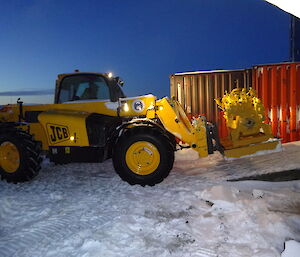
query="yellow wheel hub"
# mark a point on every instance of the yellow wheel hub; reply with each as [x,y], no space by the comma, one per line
[9,157]
[142,158]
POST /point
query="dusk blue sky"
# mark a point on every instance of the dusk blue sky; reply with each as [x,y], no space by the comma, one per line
[142,41]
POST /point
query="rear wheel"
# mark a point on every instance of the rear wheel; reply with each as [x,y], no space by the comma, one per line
[143,156]
[19,155]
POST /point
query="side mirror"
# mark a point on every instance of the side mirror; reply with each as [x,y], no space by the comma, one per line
[19,101]
[120,81]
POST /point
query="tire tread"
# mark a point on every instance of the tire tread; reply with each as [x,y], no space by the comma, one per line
[29,151]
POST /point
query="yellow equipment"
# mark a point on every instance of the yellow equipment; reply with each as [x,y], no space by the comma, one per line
[91,120]
[245,114]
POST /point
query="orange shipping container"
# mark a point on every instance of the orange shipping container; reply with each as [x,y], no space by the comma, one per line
[278,85]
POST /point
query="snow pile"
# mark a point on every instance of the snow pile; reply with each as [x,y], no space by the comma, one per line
[292,249]
[86,210]
[248,223]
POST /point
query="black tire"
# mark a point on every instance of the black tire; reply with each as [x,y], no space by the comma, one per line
[29,155]
[156,138]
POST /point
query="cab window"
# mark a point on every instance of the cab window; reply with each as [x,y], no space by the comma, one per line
[83,87]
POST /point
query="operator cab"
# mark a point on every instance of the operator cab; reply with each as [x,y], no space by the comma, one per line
[88,86]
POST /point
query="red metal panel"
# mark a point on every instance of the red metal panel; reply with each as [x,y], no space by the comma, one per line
[293,106]
[298,100]
[222,128]
[265,91]
[195,106]
[254,78]
[274,102]
[283,105]
[278,85]
[288,93]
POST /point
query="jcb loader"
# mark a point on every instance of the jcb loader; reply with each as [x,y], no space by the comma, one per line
[91,120]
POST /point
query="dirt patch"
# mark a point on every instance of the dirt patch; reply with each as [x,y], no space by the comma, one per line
[287,175]
[291,208]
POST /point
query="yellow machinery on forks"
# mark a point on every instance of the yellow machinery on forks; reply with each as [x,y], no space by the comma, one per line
[245,115]
[91,120]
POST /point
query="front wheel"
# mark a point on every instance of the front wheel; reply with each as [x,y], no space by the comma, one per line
[143,156]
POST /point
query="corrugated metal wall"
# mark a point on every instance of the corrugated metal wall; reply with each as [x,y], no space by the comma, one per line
[278,85]
[196,91]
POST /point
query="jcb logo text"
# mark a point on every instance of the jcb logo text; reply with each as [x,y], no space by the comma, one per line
[57,133]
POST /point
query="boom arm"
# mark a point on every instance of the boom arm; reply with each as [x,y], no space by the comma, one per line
[177,123]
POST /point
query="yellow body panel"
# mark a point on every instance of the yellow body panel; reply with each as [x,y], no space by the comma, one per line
[104,107]
[145,103]
[65,128]
[92,106]
[39,134]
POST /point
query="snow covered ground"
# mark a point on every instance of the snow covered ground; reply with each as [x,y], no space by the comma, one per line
[86,210]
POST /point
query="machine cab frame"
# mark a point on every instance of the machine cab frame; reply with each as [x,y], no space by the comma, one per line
[87,86]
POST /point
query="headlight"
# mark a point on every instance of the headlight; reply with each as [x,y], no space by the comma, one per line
[126,107]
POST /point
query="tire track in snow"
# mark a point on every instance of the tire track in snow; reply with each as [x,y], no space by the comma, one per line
[51,230]
[55,227]
[204,252]
[48,230]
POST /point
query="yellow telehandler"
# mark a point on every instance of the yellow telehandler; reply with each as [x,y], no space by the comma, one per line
[91,120]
